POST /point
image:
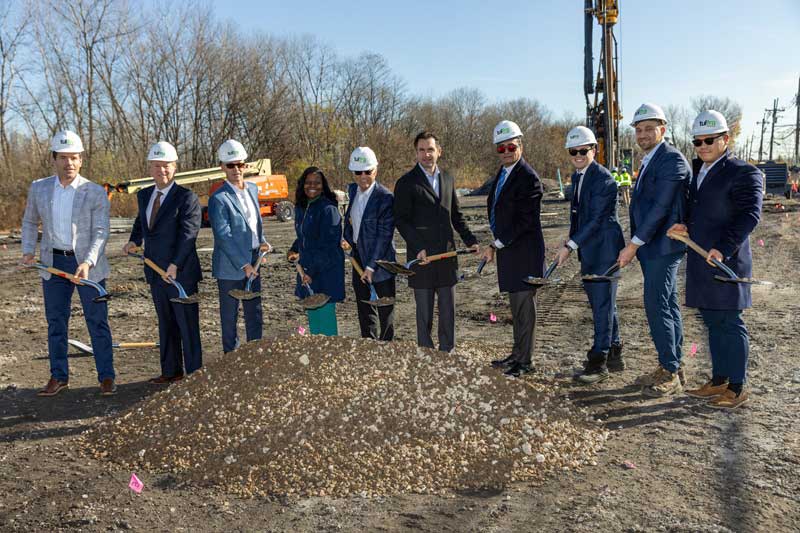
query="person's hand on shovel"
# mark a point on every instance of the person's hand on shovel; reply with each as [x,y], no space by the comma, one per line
[712,253]
[678,228]
[265,247]
[249,271]
[82,272]
[129,248]
[423,257]
[366,277]
[627,254]
[28,259]
[171,273]
[292,256]
[345,245]
[487,254]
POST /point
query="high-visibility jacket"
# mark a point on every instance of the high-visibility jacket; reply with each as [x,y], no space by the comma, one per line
[625,179]
[616,176]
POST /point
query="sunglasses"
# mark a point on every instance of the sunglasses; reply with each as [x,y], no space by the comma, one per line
[501,149]
[708,140]
[235,165]
[362,172]
[582,151]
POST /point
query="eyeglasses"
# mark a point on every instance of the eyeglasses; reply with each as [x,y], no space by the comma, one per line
[708,140]
[236,165]
[364,172]
[583,151]
[501,149]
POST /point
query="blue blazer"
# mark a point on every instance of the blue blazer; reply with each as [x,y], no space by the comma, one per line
[233,239]
[721,214]
[376,231]
[319,242]
[593,222]
[173,237]
[658,200]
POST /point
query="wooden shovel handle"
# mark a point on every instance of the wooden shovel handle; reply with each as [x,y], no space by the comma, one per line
[299,269]
[445,255]
[355,264]
[137,345]
[161,272]
[684,238]
[61,274]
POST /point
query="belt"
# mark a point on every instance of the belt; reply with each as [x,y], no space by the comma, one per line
[68,253]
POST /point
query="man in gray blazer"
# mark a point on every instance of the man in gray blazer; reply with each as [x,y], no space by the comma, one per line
[74,213]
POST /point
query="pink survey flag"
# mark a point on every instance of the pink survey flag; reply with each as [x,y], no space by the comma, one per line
[492,318]
[135,485]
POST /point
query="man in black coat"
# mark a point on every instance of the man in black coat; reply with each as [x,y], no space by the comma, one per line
[425,212]
[168,223]
[514,206]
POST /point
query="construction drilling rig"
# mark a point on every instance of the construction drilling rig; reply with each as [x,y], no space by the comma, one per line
[602,112]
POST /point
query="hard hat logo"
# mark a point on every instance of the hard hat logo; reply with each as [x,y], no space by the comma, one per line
[68,142]
[360,159]
[503,130]
[642,111]
[709,123]
[233,152]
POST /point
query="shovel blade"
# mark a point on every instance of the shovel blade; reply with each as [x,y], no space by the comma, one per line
[240,294]
[744,281]
[189,300]
[315,301]
[380,302]
[395,268]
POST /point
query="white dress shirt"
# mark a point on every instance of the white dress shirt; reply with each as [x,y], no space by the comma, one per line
[645,161]
[164,192]
[434,179]
[63,198]
[359,205]
[701,175]
[251,212]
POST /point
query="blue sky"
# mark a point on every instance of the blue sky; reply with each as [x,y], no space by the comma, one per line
[670,51]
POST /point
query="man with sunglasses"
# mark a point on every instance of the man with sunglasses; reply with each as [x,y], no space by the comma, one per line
[657,202]
[514,207]
[426,212]
[368,231]
[594,231]
[168,223]
[724,208]
[235,217]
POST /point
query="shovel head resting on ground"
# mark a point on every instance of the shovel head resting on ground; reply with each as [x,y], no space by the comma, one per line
[182,298]
[730,276]
[606,276]
[248,294]
[400,269]
[102,294]
[312,301]
[88,349]
[545,280]
[373,296]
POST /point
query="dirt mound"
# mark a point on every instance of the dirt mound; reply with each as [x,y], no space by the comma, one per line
[334,416]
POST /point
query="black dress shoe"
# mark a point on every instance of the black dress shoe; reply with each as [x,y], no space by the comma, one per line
[615,361]
[505,363]
[518,369]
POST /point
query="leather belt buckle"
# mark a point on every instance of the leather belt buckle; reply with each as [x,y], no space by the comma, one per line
[67,253]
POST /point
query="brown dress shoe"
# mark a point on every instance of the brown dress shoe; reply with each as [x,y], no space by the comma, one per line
[729,399]
[108,387]
[708,390]
[53,387]
[173,379]
[160,380]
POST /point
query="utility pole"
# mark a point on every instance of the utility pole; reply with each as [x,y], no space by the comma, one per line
[775,112]
[763,123]
[797,125]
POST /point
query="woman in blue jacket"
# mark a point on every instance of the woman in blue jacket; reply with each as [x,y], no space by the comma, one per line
[318,225]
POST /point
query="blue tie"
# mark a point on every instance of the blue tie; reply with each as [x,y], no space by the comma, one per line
[501,180]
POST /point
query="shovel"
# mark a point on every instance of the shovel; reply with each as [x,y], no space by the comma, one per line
[405,269]
[373,296]
[88,349]
[247,294]
[182,298]
[730,276]
[312,301]
[473,275]
[544,280]
[608,275]
[102,295]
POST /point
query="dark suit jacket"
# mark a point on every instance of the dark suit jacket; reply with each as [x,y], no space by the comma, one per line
[593,222]
[374,239]
[518,225]
[426,222]
[658,201]
[174,234]
[721,215]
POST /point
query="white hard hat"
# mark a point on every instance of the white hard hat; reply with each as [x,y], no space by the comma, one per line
[648,112]
[708,123]
[230,151]
[362,158]
[580,136]
[66,141]
[506,130]
[162,151]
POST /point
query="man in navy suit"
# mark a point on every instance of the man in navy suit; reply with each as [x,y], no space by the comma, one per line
[724,208]
[368,231]
[514,207]
[658,202]
[594,231]
[235,217]
[168,223]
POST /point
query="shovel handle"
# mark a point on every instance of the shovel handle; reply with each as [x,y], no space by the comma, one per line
[161,272]
[699,249]
[137,345]
[447,255]
[550,269]
[359,270]
[61,274]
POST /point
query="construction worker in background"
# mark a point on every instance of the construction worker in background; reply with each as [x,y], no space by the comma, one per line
[168,223]
[594,231]
[615,175]
[724,208]
[368,232]
[624,184]
[657,202]
[74,213]
[514,207]
[426,211]
[235,217]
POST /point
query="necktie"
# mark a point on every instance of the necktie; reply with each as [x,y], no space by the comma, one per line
[577,191]
[501,180]
[154,211]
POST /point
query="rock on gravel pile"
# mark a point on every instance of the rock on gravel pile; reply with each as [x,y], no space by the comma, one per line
[315,416]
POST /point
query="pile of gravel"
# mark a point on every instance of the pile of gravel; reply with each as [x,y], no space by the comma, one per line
[315,416]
